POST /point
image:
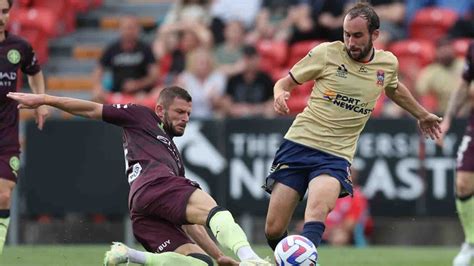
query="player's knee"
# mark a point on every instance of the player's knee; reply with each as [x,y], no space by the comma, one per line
[274,230]
[203,257]
[5,198]
[464,187]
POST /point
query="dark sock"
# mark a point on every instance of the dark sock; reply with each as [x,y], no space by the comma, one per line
[4,213]
[313,231]
[274,242]
[465,198]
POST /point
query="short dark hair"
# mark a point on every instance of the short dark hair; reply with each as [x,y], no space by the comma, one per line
[249,50]
[364,10]
[168,94]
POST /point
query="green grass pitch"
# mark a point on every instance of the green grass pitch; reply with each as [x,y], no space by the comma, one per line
[82,255]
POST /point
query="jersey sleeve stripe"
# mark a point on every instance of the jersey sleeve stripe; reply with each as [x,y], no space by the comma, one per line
[292,77]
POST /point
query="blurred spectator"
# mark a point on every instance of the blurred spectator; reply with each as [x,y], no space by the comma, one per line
[464,26]
[462,7]
[317,19]
[204,83]
[191,11]
[173,42]
[169,55]
[439,78]
[130,61]
[392,20]
[224,11]
[272,22]
[249,93]
[244,11]
[229,53]
[350,221]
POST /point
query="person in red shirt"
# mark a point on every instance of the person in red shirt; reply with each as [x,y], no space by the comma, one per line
[350,221]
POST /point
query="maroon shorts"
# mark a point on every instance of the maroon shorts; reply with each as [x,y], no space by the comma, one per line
[465,156]
[158,210]
[9,166]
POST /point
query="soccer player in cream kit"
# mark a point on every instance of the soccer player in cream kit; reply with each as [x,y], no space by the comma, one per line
[16,54]
[319,147]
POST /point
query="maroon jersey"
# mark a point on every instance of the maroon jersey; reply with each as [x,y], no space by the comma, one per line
[15,54]
[150,152]
[465,155]
[468,72]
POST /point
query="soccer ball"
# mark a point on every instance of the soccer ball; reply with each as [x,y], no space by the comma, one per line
[296,250]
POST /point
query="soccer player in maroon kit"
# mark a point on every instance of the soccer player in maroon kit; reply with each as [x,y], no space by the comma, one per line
[464,182]
[168,211]
[16,55]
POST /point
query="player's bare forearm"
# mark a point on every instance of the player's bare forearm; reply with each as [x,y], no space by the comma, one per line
[74,106]
[36,83]
[427,122]
[403,98]
[456,100]
[284,84]
[199,234]
[281,93]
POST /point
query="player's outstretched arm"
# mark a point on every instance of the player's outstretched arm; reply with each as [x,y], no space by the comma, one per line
[73,106]
[36,83]
[199,234]
[281,94]
[428,122]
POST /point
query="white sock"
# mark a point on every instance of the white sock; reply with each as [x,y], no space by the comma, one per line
[136,256]
[246,253]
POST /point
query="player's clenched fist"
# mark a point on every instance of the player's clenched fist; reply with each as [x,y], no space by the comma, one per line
[280,103]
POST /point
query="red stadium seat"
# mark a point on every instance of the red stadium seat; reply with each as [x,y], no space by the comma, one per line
[432,23]
[415,52]
[63,10]
[84,5]
[273,54]
[412,56]
[299,50]
[461,45]
[36,25]
[80,5]
[41,19]
[278,73]
[24,3]
[96,3]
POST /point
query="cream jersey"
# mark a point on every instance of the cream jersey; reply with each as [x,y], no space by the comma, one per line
[342,99]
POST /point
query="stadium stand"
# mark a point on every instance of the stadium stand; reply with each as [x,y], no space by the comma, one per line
[432,23]
[412,56]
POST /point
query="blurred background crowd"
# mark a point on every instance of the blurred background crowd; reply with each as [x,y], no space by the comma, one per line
[227,53]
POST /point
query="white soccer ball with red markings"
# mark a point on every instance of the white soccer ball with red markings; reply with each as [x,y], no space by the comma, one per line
[296,250]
